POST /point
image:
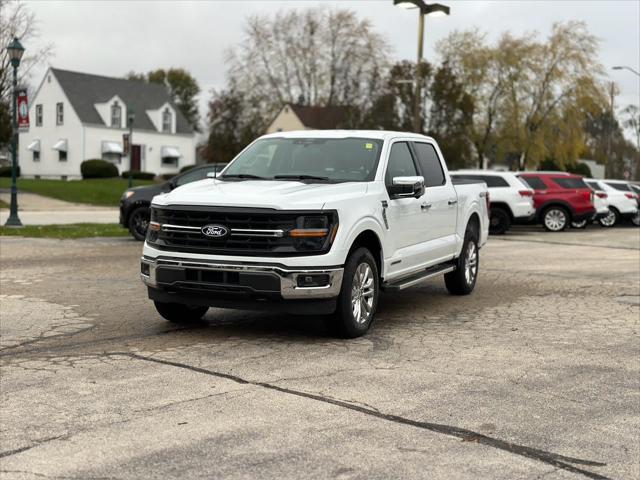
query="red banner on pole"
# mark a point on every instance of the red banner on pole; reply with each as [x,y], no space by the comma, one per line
[23,110]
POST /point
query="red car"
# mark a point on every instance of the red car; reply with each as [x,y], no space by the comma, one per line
[560,199]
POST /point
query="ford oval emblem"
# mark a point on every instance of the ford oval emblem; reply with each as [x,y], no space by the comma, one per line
[214,231]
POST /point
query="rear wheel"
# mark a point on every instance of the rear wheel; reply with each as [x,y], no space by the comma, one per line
[180,313]
[636,219]
[611,219]
[500,221]
[555,219]
[358,296]
[463,279]
[139,222]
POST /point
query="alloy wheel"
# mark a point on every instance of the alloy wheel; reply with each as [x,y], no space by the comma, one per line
[471,263]
[609,220]
[140,223]
[362,293]
[555,219]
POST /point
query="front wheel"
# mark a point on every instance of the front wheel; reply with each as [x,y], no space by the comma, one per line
[610,220]
[463,279]
[180,313]
[581,224]
[555,219]
[358,298]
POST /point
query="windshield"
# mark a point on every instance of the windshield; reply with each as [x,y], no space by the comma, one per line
[309,159]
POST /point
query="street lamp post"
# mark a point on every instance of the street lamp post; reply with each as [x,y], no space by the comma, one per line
[433,9]
[131,116]
[15,50]
[624,67]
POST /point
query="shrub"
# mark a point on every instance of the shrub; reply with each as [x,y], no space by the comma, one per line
[549,164]
[6,171]
[98,169]
[187,167]
[139,175]
[580,169]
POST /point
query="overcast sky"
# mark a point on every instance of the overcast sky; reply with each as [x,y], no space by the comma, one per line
[114,37]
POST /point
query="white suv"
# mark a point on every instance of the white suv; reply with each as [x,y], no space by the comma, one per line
[623,203]
[511,199]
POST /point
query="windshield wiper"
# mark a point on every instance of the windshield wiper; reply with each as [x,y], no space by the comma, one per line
[243,175]
[300,177]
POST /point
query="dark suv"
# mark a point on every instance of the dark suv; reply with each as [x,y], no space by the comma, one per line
[559,198]
[134,204]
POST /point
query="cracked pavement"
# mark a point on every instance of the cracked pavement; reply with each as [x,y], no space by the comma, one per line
[535,375]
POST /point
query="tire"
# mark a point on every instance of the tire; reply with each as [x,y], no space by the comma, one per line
[463,279]
[555,219]
[358,298]
[180,313]
[611,219]
[635,220]
[499,222]
[139,222]
[582,224]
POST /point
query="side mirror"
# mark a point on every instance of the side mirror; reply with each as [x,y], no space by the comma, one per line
[406,187]
[172,184]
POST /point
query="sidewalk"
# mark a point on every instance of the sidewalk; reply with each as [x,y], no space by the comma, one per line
[38,210]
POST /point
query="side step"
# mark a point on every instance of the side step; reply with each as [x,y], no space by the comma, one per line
[407,282]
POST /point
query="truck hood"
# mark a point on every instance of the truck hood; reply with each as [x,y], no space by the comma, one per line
[280,195]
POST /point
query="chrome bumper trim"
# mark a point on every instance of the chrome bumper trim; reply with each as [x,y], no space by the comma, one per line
[289,288]
[237,232]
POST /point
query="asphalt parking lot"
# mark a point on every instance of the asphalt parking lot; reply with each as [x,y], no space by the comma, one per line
[535,375]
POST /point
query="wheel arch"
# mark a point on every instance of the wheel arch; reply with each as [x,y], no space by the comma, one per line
[555,203]
[134,206]
[504,206]
[369,239]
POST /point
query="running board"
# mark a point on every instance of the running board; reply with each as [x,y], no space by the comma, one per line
[417,278]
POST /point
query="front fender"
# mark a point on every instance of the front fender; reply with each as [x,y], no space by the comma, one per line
[368,223]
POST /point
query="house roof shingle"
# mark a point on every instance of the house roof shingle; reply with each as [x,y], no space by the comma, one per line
[84,90]
[321,118]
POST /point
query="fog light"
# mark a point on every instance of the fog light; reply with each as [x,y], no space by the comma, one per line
[314,280]
[144,268]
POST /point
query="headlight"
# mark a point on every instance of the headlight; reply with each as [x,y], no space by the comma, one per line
[127,194]
[314,232]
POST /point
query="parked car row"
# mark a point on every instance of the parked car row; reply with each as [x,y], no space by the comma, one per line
[556,200]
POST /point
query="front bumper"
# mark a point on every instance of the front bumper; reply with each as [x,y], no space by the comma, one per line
[257,281]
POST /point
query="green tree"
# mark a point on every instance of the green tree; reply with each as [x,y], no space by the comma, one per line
[451,117]
[182,87]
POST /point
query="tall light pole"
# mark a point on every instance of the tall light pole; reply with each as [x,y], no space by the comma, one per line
[15,50]
[624,67]
[433,9]
[131,116]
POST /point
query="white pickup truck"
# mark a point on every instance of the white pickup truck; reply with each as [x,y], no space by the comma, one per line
[315,222]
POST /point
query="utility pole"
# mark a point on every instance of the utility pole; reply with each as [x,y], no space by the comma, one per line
[612,93]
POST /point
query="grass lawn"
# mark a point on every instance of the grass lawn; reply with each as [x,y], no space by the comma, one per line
[103,191]
[3,204]
[73,230]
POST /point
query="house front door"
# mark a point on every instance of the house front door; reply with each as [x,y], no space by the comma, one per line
[135,158]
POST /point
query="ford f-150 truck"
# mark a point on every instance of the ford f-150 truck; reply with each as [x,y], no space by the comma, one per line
[315,222]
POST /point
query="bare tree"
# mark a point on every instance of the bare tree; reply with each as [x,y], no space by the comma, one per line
[311,57]
[16,20]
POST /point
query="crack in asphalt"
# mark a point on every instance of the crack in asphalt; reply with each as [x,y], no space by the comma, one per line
[568,244]
[553,459]
[29,447]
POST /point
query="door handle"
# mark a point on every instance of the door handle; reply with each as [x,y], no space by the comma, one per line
[425,206]
[452,202]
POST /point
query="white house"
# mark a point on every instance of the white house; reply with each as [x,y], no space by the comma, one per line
[77,116]
[303,117]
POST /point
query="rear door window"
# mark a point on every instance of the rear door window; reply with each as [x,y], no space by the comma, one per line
[429,164]
[570,182]
[534,182]
[619,186]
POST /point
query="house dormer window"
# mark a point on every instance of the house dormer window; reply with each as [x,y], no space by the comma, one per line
[166,120]
[116,115]
[59,113]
